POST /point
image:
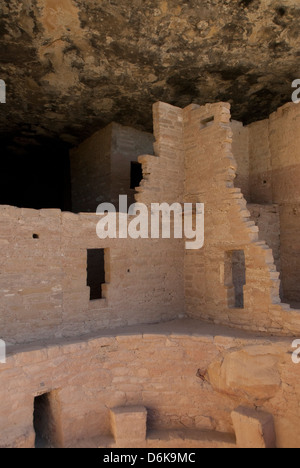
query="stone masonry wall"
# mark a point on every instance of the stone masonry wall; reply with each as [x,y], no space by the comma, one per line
[210,172]
[164,173]
[260,163]
[43,281]
[274,178]
[127,145]
[266,218]
[190,375]
[240,149]
[100,166]
[91,171]
[187,374]
[284,145]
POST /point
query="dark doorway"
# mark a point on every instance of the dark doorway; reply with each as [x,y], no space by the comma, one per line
[35,175]
[46,421]
[95,272]
[136,175]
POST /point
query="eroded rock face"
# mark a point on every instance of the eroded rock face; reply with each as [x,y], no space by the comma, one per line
[252,373]
[72,66]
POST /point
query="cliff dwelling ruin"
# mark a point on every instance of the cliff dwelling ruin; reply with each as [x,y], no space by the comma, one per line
[141,342]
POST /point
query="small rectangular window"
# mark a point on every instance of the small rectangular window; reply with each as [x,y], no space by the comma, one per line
[95,272]
[207,122]
[136,175]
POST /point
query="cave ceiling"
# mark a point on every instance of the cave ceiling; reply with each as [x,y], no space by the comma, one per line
[73,66]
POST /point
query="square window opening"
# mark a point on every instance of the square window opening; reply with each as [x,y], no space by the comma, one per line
[207,122]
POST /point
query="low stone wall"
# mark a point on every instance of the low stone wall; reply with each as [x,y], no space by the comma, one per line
[187,374]
[43,279]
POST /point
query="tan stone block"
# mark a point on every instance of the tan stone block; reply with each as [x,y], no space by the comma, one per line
[129,423]
[253,429]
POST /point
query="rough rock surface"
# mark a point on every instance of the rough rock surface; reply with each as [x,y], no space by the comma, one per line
[72,66]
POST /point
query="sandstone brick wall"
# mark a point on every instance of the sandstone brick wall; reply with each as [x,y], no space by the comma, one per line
[127,145]
[164,173]
[284,137]
[240,149]
[188,375]
[290,252]
[284,145]
[267,219]
[100,166]
[91,171]
[210,172]
[43,281]
[274,178]
[260,163]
